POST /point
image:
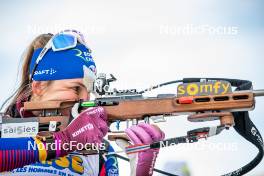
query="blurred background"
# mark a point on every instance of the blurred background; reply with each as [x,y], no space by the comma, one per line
[144,43]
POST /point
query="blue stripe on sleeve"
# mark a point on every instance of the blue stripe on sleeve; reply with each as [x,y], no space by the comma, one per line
[16,143]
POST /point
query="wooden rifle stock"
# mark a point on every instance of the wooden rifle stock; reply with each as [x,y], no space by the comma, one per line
[146,107]
[138,109]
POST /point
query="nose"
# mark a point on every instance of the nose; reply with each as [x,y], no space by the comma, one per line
[85,95]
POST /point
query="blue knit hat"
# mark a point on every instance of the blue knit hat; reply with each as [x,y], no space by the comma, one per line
[65,64]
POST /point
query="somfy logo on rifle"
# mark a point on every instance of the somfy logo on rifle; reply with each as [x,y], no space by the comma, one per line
[204,88]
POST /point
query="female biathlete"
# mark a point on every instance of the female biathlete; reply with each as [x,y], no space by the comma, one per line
[54,68]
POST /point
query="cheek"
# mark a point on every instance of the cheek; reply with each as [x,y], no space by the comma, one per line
[61,95]
[69,95]
[65,94]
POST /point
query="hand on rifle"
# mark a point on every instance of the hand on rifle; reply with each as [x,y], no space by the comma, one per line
[89,127]
[142,163]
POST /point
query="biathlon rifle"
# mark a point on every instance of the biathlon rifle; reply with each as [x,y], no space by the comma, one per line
[202,99]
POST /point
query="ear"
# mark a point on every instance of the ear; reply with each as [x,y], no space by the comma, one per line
[37,87]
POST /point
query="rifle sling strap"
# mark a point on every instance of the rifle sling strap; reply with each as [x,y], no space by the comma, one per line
[246,128]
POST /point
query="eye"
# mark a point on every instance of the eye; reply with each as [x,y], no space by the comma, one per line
[76,89]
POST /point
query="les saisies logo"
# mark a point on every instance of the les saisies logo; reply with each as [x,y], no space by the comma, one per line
[26,129]
[19,129]
[204,88]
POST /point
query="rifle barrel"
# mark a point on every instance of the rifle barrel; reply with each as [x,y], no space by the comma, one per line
[259,92]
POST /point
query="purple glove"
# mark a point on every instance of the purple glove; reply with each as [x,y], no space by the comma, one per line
[88,128]
[142,163]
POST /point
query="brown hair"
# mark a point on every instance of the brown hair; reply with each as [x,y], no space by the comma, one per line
[24,89]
